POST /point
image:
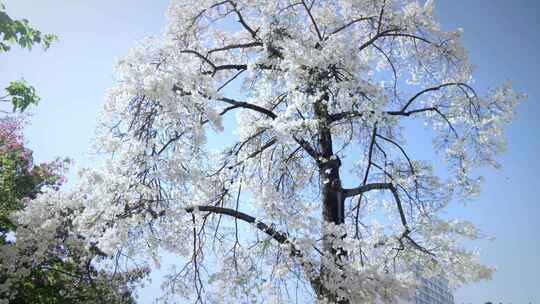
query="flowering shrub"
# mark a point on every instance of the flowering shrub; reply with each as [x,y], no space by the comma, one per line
[20,179]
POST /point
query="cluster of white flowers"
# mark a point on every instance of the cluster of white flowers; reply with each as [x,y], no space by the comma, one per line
[307,81]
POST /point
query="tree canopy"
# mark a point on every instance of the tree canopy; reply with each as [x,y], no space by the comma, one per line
[308,96]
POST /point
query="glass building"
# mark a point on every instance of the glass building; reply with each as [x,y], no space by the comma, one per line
[434,290]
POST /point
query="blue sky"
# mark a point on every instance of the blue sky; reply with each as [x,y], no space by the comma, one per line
[503,40]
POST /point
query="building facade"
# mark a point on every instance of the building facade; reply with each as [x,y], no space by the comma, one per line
[434,290]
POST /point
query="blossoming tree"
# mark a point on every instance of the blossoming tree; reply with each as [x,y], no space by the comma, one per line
[308,96]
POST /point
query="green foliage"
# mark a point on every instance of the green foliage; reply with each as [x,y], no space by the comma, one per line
[19,32]
[60,283]
[22,95]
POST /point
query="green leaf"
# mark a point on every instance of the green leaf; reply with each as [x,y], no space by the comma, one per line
[19,32]
[22,95]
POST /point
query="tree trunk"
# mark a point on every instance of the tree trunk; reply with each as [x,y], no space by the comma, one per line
[333,213]
[333,200]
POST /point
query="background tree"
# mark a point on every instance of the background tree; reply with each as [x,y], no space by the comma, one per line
[54,268]
[19,178]
[324,94]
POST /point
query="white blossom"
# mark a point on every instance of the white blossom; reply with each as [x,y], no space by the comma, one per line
[293,89]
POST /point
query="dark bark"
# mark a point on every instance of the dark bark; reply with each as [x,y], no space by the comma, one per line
[333,198]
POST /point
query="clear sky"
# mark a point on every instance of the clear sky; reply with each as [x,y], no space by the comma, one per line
[502,37]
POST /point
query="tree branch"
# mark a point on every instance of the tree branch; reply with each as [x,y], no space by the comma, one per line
[236,46]
[264,147]
[246,105]
[242,21]
[276,235]
[436,88]
[365,188]
[434,109]
[312,20]
[345,26]
[407,35]
[203,58]
[377,36]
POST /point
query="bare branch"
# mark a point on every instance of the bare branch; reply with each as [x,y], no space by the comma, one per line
[377,36]
[400,148]
[394,70]
[379,24]
[242,21]
[436,88]
[312,20]
[262,149]
[203,58]
[434,109]
[230,80]
[366,175]
[247,105]
[365,188]
[407,35]
[395,193]
[307,147]
[348,24]
[276,235]
[236,46]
